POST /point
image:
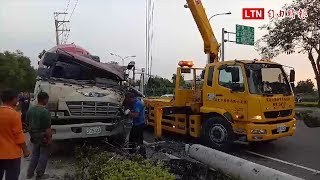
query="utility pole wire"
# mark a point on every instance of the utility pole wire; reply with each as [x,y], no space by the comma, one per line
[75,5]
[73,9]
[66,10]
[63,35]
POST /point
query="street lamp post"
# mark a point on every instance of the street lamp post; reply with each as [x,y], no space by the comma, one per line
[228,13]
[223,31]
[122,58]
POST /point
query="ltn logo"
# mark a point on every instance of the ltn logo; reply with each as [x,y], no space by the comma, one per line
[253,13]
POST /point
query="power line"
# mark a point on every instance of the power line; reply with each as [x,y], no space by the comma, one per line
[75,5]
[63,35]
[66,10]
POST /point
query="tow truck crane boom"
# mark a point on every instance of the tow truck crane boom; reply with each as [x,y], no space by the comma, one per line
[211,46]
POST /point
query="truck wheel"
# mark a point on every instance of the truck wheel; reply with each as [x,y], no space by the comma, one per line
[217,133]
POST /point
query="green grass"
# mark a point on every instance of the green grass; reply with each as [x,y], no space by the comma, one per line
[307,104]
[95,164]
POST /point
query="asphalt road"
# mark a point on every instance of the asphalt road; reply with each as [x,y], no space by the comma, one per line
[297,155]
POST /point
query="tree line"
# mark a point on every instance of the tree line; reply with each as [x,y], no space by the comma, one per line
[16,71]
[299,34]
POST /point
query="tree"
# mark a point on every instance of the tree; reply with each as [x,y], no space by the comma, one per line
[158,86]
[304,86]
[289,35]
[16,71]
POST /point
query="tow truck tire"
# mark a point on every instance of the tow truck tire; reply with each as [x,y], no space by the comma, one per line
[217,133]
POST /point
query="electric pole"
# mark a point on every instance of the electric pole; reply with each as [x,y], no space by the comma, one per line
[58,23]
[222,45]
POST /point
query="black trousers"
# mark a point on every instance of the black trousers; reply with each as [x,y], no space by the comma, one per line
[10,167]
[136,139]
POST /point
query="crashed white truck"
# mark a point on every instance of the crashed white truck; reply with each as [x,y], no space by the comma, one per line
[86,96]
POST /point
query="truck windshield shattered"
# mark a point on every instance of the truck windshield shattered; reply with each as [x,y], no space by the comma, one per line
[267,79]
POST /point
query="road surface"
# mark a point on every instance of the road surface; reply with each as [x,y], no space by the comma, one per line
[297,155]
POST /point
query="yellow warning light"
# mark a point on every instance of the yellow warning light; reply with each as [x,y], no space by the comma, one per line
[186,63]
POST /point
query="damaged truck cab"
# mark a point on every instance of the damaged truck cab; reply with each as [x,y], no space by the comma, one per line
[86,96]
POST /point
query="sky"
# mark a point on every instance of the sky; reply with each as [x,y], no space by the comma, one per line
[118,26]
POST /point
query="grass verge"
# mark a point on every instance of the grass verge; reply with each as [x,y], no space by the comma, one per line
[94,164]
[307,104]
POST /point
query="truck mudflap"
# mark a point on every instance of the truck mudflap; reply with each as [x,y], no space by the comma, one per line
[265,132]
[86,130]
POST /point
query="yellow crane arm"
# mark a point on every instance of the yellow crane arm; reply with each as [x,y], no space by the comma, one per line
[211,46]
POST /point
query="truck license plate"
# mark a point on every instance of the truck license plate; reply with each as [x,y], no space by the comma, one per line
[281,129]
[93,130]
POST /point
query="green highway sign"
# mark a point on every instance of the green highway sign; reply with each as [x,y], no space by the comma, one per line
[244,35]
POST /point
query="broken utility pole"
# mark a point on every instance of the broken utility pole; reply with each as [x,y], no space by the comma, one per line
[58,23]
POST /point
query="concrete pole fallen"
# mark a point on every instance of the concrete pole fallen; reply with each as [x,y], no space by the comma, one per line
[233,166]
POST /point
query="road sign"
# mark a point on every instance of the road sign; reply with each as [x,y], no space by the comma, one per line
[244,35]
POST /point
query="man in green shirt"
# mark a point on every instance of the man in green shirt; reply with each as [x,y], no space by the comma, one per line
[40,132]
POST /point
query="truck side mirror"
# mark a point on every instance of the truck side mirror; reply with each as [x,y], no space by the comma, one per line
[292,75]
[202,74]
[248,72]
[292,85]
[131,65]
[50,58]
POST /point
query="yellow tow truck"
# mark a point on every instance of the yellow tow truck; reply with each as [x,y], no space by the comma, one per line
[239,100]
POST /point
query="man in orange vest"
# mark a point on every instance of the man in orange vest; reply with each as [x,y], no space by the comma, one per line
[12,139]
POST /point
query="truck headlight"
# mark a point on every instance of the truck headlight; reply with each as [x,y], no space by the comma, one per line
[257,117]
[53,114]
[259,131]
[60,113]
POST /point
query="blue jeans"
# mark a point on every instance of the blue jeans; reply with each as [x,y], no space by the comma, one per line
[11,167]
[39,160]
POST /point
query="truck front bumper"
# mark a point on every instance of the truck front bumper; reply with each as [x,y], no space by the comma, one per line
[86,130]
[271,130]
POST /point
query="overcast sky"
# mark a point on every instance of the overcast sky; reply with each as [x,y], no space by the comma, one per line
[118,26]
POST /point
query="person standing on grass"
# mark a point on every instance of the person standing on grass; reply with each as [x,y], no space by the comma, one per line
[41,137]
[12,139]
[138,122]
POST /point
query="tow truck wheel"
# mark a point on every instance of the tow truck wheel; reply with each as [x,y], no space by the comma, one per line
[217,133]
